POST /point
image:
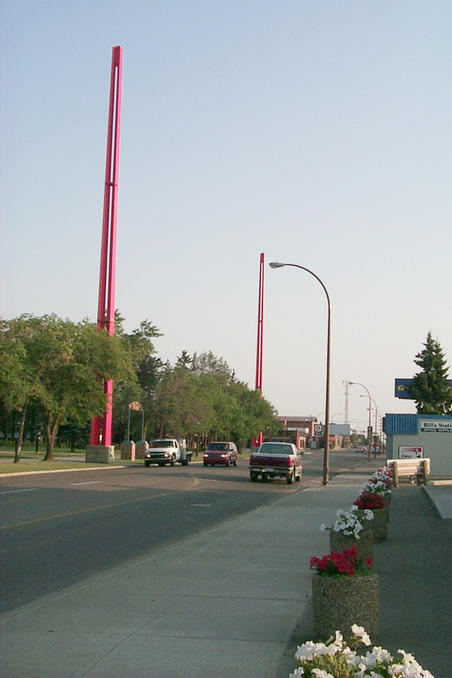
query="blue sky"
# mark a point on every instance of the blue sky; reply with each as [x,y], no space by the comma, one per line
[315,132]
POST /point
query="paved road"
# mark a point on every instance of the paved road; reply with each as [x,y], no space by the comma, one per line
[59,528]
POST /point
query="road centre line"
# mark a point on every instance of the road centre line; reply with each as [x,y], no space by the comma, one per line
[75,513]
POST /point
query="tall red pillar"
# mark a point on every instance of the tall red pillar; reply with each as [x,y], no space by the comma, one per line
[260,337]
[101,426]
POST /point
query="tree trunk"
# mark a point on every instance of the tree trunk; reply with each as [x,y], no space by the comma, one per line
[20,440]
[51,433]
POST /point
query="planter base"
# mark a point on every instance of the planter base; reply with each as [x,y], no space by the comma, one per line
[379,525]
[365,543]
[338,602]
[100,454]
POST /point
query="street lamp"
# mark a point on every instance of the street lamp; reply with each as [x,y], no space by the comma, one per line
[326,449]
[369,428]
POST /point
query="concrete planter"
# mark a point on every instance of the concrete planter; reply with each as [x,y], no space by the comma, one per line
[379,525]
[365,543]
[340,601]
[140,449]
[128,450]
[100,454]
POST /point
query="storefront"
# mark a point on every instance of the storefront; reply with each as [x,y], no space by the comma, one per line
[421,435]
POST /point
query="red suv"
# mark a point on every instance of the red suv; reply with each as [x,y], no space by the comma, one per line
[221,453]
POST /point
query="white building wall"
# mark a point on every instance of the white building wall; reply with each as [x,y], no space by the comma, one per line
[437,446]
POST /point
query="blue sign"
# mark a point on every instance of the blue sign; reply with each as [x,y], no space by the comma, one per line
[402,388]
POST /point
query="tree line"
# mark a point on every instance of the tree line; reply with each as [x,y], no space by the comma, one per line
[52,371]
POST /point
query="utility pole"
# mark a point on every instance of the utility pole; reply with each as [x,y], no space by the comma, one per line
[346,401]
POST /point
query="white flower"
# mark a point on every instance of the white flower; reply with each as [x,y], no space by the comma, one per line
[360,633]
[349,523]
[376,487]
[370,665]
[309,650]
[338,639]
[320,673]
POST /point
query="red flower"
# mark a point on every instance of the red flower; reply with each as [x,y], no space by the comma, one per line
[367,500]
[335,563]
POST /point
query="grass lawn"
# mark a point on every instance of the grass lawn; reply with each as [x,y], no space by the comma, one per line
[65,459]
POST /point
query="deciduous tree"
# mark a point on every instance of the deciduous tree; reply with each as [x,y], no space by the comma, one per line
[62,365]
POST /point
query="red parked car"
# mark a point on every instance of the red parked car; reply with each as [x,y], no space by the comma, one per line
[224,453]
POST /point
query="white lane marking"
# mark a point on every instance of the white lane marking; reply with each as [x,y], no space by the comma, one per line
[27,489]
[87,482]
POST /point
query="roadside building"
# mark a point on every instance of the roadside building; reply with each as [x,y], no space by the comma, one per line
[421,435]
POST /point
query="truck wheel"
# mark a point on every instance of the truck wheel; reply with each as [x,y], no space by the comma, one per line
[298,477]
[204,463]
[228,462]
[290,477]
[253,476]
[173,461]
[147,464]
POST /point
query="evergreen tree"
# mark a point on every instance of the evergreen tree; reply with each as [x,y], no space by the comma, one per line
[430,387]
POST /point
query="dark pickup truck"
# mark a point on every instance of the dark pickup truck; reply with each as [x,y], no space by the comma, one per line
[274,459]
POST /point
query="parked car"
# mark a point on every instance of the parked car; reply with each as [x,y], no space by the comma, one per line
[224,453]
[275,459]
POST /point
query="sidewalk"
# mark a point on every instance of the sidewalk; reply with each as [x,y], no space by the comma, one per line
[236,600]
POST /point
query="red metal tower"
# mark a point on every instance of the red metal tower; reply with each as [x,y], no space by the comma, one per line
[101,426]
[260,336]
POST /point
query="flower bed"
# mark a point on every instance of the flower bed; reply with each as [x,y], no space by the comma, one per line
[352,529]
[375,502]
[335,659]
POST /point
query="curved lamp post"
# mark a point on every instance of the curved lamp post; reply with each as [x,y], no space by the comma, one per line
[326,449]
[369,429]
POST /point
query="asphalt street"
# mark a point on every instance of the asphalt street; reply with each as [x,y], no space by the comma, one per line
[58,528]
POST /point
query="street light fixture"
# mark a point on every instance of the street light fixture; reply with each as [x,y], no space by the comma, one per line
[326,449]
[369,428]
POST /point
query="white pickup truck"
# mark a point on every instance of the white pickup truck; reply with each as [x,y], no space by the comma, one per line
[167,451]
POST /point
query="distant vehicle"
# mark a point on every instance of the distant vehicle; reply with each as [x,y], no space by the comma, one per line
[360,448]
[275,459]
[167,451]
[224,453]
